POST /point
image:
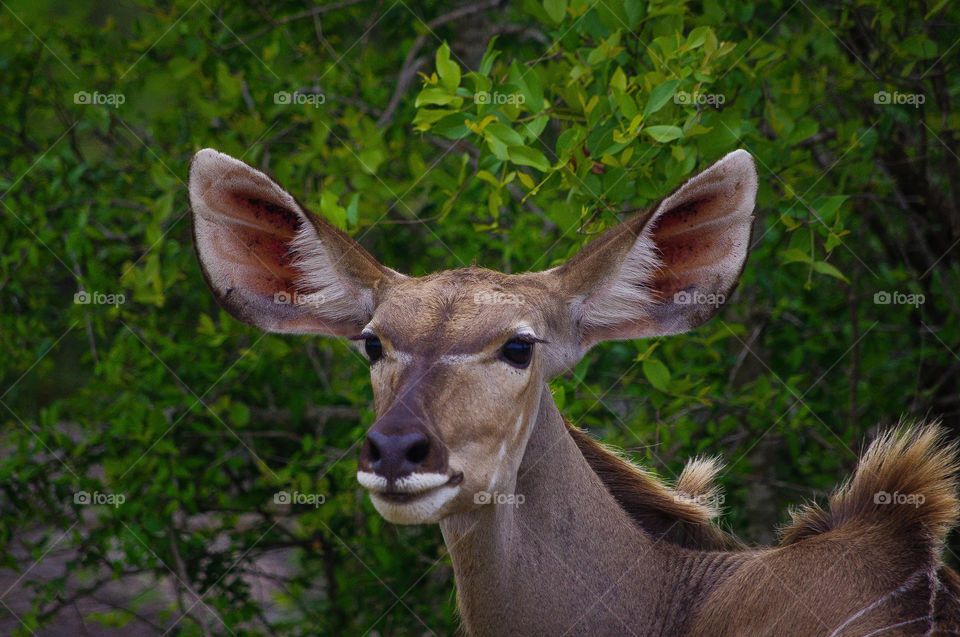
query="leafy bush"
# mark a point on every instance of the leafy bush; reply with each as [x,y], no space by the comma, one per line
[438,136]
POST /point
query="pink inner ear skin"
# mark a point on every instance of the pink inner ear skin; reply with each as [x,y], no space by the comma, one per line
[256,239]
[281,220]
[681,219]
[275,219]
[692,240]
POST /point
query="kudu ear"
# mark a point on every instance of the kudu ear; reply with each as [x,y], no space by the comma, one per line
[269,262]
[668,270]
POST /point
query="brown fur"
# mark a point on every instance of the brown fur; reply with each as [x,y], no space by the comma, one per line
[859,566]
[672,514]
[583,543]
[903,461]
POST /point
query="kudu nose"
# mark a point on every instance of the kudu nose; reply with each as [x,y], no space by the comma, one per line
[394,455]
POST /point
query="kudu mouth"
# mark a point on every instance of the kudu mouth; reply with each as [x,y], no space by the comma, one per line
[404,465]
[417,498]
[409,487]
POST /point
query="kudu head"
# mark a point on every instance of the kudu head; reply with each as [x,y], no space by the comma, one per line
[459,359]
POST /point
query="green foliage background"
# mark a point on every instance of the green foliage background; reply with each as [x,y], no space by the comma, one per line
[595,108]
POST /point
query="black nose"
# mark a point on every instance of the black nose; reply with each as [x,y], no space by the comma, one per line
[394,455]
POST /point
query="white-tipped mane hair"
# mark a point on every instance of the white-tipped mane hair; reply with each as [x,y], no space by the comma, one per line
[319,274]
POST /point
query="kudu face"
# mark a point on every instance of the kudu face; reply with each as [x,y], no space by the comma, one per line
[459,360]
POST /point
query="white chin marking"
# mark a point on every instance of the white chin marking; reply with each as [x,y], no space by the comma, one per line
[417,482]
[424,509]
[371,481]
[412,483]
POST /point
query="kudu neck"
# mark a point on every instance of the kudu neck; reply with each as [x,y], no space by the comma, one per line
[554,560]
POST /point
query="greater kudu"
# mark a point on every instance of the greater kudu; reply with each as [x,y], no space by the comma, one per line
[466,427]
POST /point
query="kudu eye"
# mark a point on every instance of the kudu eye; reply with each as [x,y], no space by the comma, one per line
[373,347]
[518,352]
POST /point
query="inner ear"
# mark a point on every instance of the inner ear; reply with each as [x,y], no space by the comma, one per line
[670,269]
[256,238]
[700,249]
[270,262]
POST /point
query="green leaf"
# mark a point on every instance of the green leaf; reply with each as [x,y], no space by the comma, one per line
[526,156]
[503,134]
[448,70]
[793,255]
[664,133]
[334,212]
[934,10]
[489,57]
[352,215]
[657,373]
[528,83]
[825,268]
[697,37]
[827,207]
[556,9]
[619,80]
[788,221]
[660,96]
[435,95]
[427,116]
[533,128]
